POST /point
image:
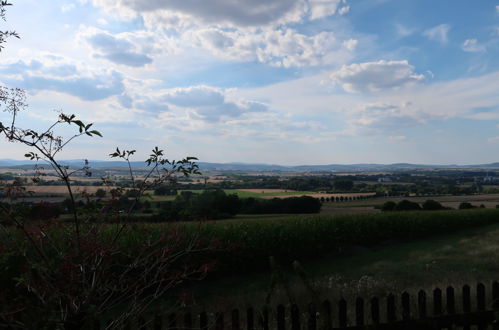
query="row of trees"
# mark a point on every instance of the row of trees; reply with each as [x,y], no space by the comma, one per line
[216,204]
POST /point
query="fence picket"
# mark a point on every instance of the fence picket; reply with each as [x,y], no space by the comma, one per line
[312,317]
[451,300]
[467,304]
[219,321]
[422,304]
[359,311]
[342,313]
[281,317]
[327,320]
[406,306]
[235,319]
[295,318]
[375,310]
[203,321]
[495,296]
[437,302]
[264,318]
[250,321]
[390,309]
[187,320]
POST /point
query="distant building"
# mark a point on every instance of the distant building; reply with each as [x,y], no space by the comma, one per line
[385,179]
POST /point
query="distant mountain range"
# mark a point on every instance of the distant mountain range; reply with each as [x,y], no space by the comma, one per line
[246,167]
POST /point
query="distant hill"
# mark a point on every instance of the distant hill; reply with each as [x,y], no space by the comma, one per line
[246,167]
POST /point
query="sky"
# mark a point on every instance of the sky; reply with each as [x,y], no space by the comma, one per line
[262,81]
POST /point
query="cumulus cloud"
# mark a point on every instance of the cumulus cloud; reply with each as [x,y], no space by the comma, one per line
[200,103]
[60,76]
[116,49]
[210,103]
[380,118]
[282,47]
[236,13]
[376,76]
[472,45]
[240,30]
[438,33]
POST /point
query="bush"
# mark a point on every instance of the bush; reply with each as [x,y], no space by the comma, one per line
[466,206]
[388,206]
[406,205]
[432,205]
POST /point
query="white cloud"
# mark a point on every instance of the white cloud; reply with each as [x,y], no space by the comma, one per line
[438,33]
[472,45]
[53,73]
[344,10]
[230,13]
[120,49]
[240,30]
[497,8]
[376,76]
[403,31]
[67,7]
[280,47]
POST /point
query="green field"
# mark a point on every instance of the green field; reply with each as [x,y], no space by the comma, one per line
[247,194]
[463,257]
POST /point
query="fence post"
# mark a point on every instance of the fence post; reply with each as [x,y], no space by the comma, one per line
[312,317]
[422,304]
[295,318]
[203,321]
[264,318]
[437,302]
[467,304]
[359,311]
[375,310]
[342,313]
[327,321]
[250,320]
[390,308]
[188,320]
[281,317]
[451,300]
[480,302]
[235,319]
[219,321]
[495,296]
[406,306]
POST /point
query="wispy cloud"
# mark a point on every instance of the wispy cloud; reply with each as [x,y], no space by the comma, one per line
[438,33]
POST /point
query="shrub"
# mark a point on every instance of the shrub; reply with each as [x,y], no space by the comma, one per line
[465,206]
[432,205]
[406,205]
[388,206]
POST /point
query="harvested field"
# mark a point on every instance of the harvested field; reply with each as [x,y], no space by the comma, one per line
[267,191]
[63,189]
[319,195]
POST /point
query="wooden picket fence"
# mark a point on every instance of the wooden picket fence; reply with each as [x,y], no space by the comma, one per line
[469,308]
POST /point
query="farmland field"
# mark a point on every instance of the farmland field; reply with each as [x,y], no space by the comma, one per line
[458,258]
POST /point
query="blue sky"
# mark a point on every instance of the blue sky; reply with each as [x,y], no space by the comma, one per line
[264,81]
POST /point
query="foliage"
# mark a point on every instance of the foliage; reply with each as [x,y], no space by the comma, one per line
[432,205]
[466,206]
